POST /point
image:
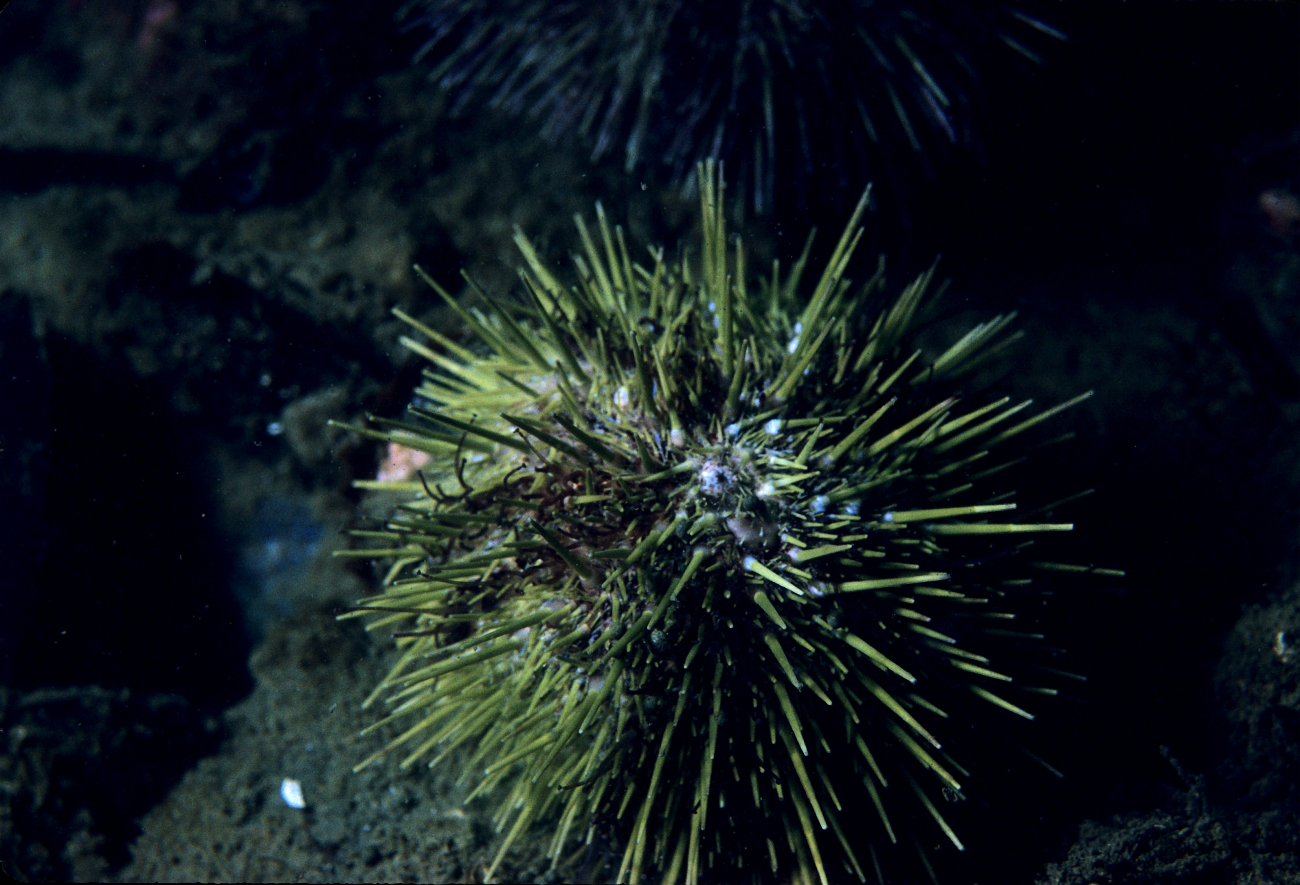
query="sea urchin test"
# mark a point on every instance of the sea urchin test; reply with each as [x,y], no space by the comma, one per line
[705,567]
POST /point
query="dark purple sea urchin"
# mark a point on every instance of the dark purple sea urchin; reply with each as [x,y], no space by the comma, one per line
[827,90]
[706,566]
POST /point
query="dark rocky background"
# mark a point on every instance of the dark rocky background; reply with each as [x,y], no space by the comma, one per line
[207,210]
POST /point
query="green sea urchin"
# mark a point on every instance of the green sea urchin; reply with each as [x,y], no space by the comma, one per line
[701,570]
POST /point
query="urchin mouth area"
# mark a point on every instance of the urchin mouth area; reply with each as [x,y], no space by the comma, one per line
[727,484]
[718,475]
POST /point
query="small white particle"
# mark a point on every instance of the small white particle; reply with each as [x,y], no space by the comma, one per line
[794,344]
[732,429]
[818,504]
[291,793]
[888,517]
[773,427]
[275,428]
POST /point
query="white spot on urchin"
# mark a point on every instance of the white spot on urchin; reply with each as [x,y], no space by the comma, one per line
[794,340]
[732,430]
[622,398]
[676,438]
[817,506]
[888,517]
[765,490]
[772,427]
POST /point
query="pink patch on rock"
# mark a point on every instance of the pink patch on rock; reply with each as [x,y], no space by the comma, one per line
[401,463]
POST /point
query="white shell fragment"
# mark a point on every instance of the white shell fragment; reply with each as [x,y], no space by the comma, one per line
[291,793]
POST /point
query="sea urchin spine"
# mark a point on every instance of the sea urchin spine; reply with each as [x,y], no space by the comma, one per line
[826,91]
[699,570]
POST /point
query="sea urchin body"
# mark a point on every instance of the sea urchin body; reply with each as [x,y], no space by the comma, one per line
[700,571]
